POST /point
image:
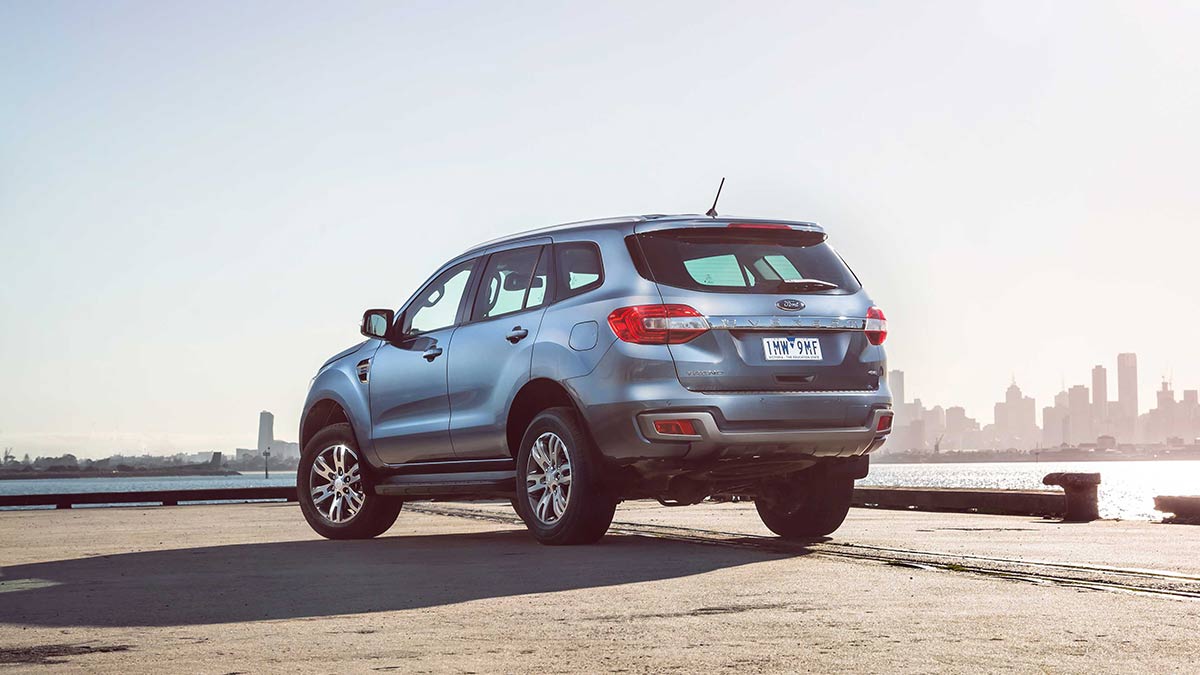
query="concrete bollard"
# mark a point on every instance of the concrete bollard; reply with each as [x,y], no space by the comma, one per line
[1082,501]
[1184,510]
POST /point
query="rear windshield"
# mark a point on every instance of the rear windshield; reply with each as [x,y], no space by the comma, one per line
[723,261]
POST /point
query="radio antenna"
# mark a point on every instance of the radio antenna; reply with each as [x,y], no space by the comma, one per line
[712,213]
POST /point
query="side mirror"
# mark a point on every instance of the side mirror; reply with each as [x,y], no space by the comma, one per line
[377,323]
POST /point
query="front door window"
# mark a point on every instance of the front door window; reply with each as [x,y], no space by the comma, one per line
[437,306]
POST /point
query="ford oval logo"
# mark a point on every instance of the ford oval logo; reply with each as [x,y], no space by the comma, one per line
[790,304]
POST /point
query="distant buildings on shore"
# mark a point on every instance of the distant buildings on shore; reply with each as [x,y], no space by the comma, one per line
[267,442]
[1079,418]
[284,456]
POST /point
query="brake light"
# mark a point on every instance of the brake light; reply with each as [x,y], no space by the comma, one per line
[876,327]
[761,226]
[885,423]
[675,427]
[657,324]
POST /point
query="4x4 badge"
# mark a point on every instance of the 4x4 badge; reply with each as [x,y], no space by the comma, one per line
[790,304]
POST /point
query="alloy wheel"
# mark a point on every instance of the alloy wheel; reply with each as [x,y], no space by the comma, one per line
[335,483]
[548,481]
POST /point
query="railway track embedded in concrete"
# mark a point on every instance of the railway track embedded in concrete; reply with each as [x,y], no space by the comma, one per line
[1154,583]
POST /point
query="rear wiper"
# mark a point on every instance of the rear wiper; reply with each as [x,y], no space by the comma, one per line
[806,285]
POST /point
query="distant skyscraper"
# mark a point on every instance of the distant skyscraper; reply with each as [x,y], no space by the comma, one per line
[896,382]
[1127,396]
[1100,397]
[1079,415]
[1164,418]
[1054,420]
[1016,419]
[266,430]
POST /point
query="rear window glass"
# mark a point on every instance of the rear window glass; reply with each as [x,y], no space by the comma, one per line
[710,259]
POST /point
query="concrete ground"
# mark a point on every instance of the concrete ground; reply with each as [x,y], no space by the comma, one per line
[249,588]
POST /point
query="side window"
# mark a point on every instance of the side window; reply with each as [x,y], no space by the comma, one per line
[506,285]
[437,306]
[579,268]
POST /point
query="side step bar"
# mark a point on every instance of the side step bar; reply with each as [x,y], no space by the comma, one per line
[477,484]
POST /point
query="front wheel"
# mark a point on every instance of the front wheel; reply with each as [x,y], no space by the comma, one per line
[559,493]
[807,505]
[334,490]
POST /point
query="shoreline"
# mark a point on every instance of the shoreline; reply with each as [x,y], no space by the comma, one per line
[149,473]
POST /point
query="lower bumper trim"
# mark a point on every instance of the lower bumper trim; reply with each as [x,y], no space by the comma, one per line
[839,441]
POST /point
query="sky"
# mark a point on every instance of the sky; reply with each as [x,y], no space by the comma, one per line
[197,200]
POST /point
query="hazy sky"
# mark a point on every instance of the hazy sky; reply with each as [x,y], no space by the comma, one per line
[197,200]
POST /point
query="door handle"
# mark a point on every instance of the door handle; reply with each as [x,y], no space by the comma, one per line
[432,353]
[516,334]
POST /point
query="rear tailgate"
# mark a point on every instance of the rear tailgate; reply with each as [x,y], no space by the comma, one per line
[774,328]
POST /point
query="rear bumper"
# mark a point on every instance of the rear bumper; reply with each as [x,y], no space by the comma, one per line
[710,438]
[635,384]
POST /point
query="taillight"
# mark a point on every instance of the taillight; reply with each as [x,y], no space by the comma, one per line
[657,324]
[876,327]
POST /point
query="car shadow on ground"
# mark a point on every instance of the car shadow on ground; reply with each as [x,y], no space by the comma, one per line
[286,580]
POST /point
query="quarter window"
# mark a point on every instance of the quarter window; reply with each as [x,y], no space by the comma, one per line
[579,268]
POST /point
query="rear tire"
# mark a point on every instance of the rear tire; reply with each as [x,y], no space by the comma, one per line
[807,505]
[336,497]
[559,493]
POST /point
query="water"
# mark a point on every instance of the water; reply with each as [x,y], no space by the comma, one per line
[140,483]
[1127,490]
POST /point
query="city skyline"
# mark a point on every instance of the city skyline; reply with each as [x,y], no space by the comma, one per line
[1078,416]
[266,443]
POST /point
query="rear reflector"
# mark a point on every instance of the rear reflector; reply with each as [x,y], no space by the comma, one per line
[876,326]
[657,324]
[885,423]
[675,427]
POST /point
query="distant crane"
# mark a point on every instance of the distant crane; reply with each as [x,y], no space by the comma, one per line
[937,445]
[8,456]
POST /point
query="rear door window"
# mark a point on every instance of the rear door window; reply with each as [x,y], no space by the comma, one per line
[718,260]
[508,281]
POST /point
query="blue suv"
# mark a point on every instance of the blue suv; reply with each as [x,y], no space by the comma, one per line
[569,368]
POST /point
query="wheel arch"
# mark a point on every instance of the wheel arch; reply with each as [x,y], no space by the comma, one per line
[325,412]
[535,396]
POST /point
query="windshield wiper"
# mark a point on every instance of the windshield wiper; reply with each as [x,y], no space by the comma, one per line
[806,285]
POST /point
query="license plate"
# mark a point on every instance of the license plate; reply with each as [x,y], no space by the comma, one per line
[792,348]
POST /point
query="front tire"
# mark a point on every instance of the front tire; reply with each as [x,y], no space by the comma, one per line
[334,490]
[559,492]
[807,505]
